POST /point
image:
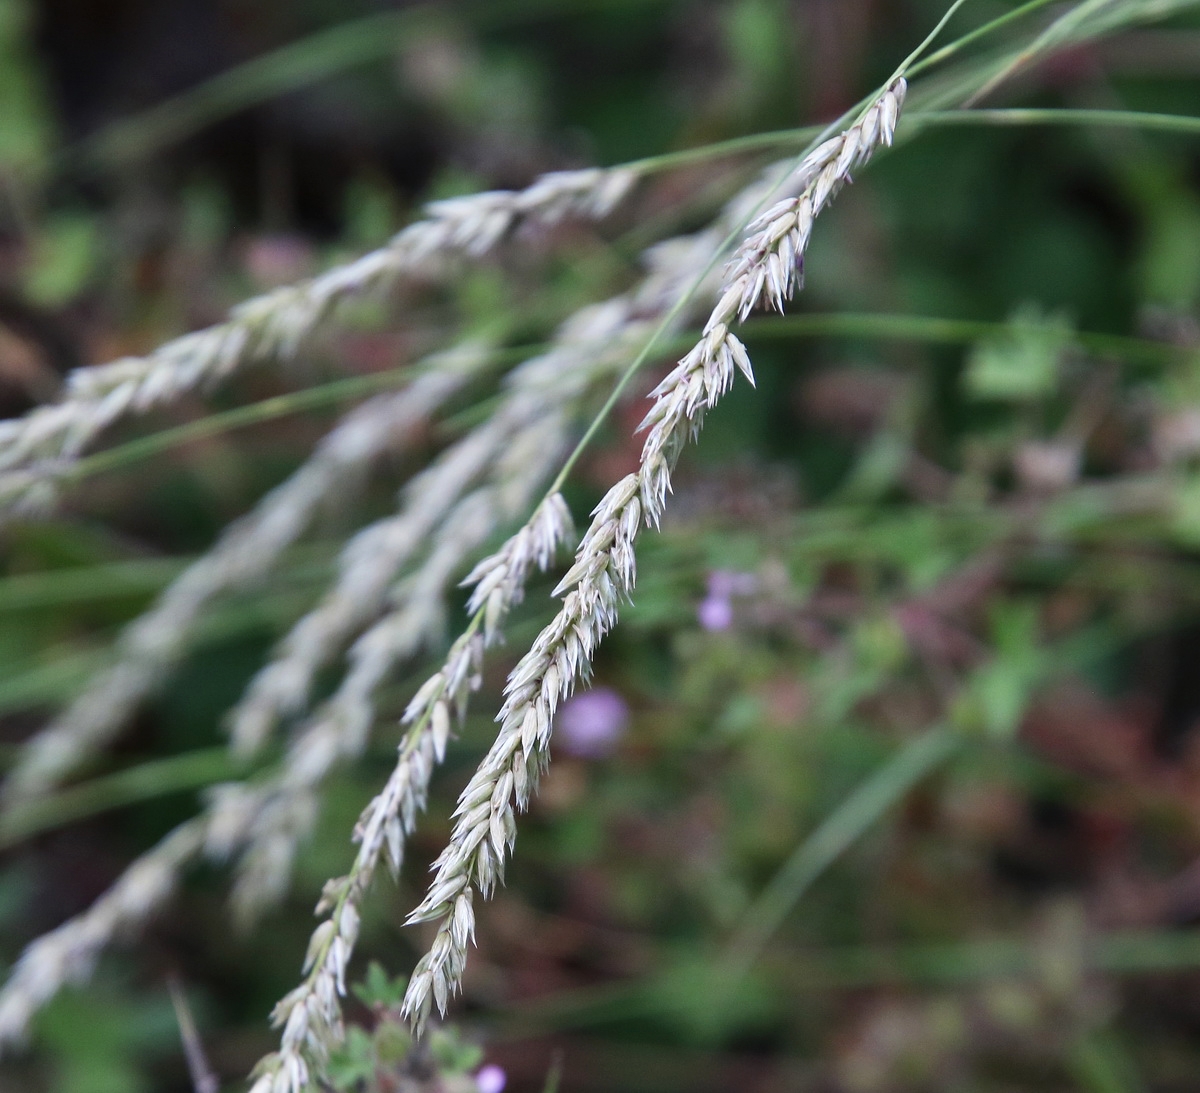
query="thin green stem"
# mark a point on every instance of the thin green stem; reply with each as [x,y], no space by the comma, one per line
[918,119]
[1121,119]
[920,328]
[86,583]
[310,398]
[703,153]
[144,782]
[844,826]
[908,62]
[970,37]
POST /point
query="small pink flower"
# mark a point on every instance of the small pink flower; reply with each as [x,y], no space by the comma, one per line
[715,613]
[491,1079]
[591,724]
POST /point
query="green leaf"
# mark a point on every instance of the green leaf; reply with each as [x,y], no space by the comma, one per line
[452,1054]
[380,989]
[65,256]
[353,1062]
[1022,362]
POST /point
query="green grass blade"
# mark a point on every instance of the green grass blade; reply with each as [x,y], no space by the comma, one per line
[144,782]
[848,823]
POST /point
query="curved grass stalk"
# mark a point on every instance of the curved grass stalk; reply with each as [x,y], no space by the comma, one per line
[824,845]
[40,448]
[146,781]
[767,268]
[1186,124]
[246,552]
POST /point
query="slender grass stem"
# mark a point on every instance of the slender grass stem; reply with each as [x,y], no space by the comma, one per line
[879,325]
[144,782]
[921,119]
[949,50]
[831,839]
[954,964]
[255,413]
[1016,118]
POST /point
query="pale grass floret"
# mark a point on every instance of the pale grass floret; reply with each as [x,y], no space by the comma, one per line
[38,449]
[593,344]
[765,269]
[340,730]
[310,1016]
[247,551]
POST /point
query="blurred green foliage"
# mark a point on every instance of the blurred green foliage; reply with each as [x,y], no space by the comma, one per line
[922,816]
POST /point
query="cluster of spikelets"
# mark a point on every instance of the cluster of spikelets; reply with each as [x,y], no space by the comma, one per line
[489,478]
[592,589]
[386,603]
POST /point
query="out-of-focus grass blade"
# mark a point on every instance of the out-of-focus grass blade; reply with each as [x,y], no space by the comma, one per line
[949,965]
[81,584]
[853,818]
[61,677]
[302,64]
[146,781]
[51,683]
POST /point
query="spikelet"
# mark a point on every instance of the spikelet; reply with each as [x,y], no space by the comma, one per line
[247,551]
[763,270]
[37,450]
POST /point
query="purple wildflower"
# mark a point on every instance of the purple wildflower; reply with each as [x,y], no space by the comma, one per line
[715,611]
[592,723]
[491,1079]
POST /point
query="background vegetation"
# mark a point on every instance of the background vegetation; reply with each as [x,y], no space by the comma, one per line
[891,777]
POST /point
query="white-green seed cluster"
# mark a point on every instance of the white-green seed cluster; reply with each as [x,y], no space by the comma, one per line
[605,568]
[38,449]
